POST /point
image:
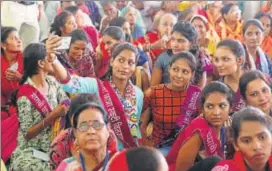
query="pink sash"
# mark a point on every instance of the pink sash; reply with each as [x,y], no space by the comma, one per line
[36,98]
[116,114]
[236,164]
[210,141]
[189,108]
[238,102]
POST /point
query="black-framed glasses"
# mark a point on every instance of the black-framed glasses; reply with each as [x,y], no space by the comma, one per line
[85,126]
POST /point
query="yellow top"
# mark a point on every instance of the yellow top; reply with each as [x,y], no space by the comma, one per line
[3,167]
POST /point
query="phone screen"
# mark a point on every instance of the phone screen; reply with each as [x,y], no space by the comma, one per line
[65,43]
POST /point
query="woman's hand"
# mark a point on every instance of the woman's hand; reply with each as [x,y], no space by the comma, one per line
[60,111]
[52,43]
[13,75]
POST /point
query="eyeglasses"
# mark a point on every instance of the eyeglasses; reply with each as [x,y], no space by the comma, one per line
[85,126]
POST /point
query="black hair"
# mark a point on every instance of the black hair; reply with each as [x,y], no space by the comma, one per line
[187,56]
[116,51]
[254,22]
[226,8]
[5,31]
[31,56]
[234,46]
[72,9]
[260,15]
[119,22]
[78,101]
[78,34]
[216,86]
[85,106]
[247,114]
[150,160]
[114,32]
[251,76]
[187,30]
[59,22]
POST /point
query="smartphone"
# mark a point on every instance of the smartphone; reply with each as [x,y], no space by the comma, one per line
[65,43]
[14,67]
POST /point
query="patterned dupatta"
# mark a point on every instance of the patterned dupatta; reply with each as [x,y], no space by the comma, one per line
[227,32]
[121,111]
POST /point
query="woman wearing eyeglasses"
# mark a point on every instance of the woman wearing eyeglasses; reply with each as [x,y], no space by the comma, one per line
[92,132]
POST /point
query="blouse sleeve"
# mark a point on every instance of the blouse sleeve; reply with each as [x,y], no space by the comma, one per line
[77,85]
[25,114]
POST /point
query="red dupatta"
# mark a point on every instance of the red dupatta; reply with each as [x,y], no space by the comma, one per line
[207,134]
[116,114]
[236,164]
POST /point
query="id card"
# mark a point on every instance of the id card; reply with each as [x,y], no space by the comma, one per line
[65,43]
[40,155]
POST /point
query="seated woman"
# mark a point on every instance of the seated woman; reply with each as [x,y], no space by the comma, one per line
[256,90]
[41,103]
[121,99]
[11,62]
[63,146]
[111,37]
[267,24]
[252,141]
[205,136]
[253,32]
[133,16]
[206,38]
[156,42]
[143,71]
[92,135]
[231,25]
[77,58]
[183,38]
[229,62]
[63,24]
[128,160]
[172,105]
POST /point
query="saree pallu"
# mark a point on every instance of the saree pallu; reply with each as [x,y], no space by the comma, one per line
[211,143]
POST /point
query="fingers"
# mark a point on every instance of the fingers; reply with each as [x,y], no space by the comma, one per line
[10,75]
[53,43]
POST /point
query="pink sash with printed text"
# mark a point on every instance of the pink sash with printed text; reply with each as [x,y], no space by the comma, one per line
[207,134]
[116,114]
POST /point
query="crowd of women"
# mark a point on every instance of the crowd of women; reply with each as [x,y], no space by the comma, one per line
[190,92]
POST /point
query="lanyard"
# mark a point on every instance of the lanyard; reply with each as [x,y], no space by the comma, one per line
[83,162]
[222,138]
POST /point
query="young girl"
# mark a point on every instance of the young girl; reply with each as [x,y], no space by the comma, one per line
[252,140]
[228,61]
[205,136]
[256,90]
[173,104]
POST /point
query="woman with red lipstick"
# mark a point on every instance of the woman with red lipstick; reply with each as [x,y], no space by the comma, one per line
[252,141]
[253,32]
[173,104]
[256,90]
[205,136]
[229,62]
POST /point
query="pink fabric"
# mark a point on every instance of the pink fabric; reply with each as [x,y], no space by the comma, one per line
[9,133]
